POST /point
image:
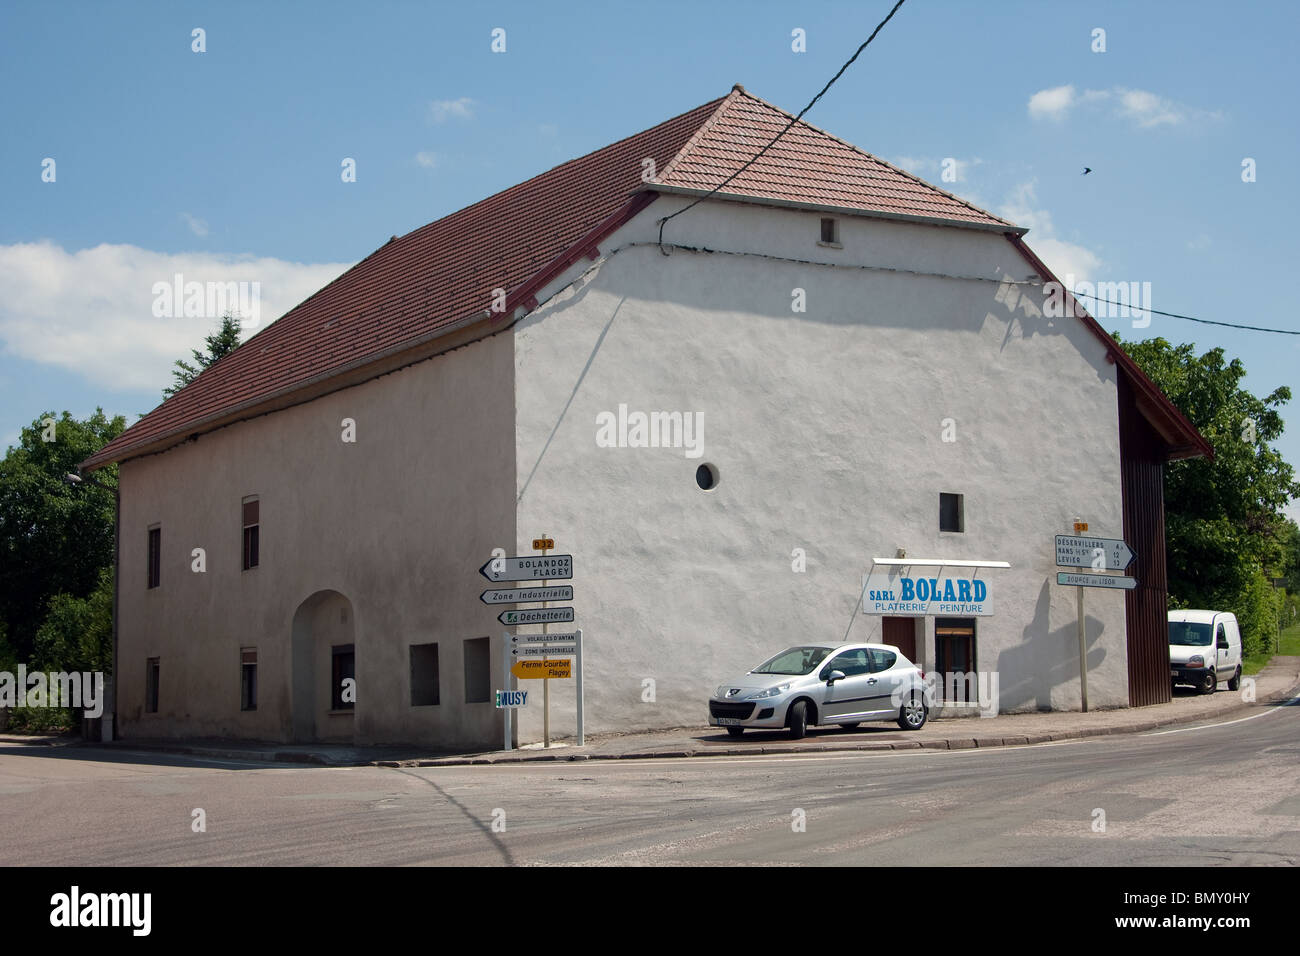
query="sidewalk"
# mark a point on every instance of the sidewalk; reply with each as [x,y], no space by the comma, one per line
[1277,682]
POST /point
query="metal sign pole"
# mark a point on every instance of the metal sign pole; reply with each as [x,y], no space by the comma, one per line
[505,680]
[1083,655]
[581,705]
[546,681]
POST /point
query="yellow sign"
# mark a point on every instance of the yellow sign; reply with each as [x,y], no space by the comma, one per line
[543,544]
[1080,526]
[536,670]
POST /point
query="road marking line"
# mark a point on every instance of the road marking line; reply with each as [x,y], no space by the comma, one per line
[1226,723]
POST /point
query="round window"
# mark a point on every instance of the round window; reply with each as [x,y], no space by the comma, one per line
[706,476]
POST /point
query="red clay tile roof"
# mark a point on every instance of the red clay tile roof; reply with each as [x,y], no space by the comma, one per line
[805,165]
[442,273]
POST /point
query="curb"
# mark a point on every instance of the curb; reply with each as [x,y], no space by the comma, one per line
[948,743]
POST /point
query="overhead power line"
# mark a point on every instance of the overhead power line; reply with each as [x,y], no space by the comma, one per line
[1189,318]
[880,26]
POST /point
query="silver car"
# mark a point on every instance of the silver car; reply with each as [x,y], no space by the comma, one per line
[843,684]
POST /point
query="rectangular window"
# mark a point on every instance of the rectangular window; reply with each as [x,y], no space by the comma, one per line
[830,231]
[248,678]
[151,686]
[954,645]
[478,670]
[251,533]
[343,669]
[155,557]
[951,513]
[424,675]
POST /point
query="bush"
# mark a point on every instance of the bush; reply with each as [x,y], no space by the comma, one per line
[1258,610]
[42,720]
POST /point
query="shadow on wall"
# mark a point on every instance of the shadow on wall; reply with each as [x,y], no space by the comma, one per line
[1034,691]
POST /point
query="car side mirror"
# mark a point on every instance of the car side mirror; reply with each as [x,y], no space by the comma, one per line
[833,676]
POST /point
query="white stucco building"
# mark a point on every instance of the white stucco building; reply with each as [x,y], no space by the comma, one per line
[860,366]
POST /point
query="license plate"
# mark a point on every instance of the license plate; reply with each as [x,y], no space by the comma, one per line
[724,721]
[1173,673]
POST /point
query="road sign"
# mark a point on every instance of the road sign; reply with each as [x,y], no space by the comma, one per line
[1079,551]
[561,592]
[555,637]
[537,615]
[1096,580]
[510,699]
[537,567]
[558,650]
[537,670]
[543,544]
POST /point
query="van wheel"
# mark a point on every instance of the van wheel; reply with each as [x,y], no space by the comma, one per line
[736,731]
[1234,682]
[1209,683]
[798,719]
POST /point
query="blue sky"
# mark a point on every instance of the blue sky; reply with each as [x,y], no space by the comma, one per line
[227,162]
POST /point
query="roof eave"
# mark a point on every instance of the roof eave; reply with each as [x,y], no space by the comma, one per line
[1000,228]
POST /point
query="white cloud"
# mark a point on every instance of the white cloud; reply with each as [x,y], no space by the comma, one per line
[91,312]
[1053,103]
[442,110]
[1063,258]
[1141,107]
[426,159]
[197,226]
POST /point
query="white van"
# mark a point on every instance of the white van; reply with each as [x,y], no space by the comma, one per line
[1204,648]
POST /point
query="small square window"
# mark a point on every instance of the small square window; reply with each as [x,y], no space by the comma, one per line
[951,512]
[424,675]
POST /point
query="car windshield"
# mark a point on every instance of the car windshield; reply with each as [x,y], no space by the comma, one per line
[794,660]
[1187,634]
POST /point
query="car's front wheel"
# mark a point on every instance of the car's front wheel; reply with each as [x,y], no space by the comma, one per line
[911,716]
[736,731]
[798,720]
[1234,682]
[1209,683]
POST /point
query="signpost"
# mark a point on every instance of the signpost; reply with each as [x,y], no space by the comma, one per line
[1080,550]
[1096,580]
[542,615]
[553,648]
[532,568]
[561,592]
[536,670]
[1100,554]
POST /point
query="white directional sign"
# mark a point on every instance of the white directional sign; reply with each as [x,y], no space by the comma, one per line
[1081,551]
[561,592]
[536,567]
[537,615]
[1096,580]
[557,637]
[549,650]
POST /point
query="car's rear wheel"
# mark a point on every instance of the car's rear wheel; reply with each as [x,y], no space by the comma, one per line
[911,716]
[1234,682]
[736,731]
[798,719]
[1209,683]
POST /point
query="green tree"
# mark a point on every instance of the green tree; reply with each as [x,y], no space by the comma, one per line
[55,538]
[1223,517]
[77,634]
[220,344]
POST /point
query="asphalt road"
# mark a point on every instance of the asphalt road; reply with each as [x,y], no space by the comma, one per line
[1228,793]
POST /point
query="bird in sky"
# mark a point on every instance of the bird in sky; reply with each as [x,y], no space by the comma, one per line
[1087,170]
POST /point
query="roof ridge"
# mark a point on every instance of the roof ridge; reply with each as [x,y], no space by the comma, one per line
[738,89]
[723,105]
